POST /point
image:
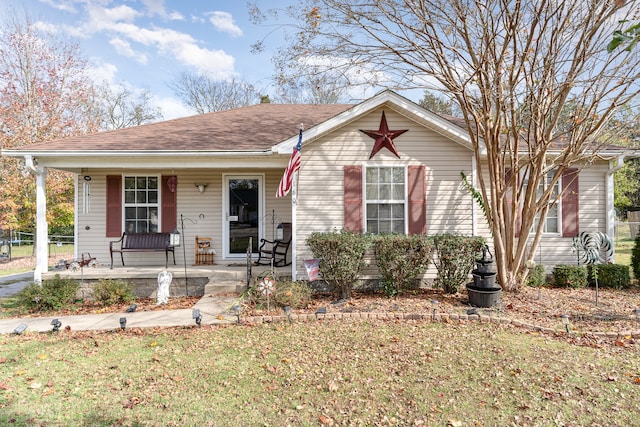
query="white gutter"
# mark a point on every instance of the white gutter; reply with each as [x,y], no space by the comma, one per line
[42,233]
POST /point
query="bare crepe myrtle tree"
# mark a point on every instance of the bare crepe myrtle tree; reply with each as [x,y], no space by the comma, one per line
[205,93]
[534,81]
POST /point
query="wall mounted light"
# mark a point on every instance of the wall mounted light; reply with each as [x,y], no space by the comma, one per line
[201,187]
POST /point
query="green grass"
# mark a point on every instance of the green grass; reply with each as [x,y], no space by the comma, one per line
[310,374]
[27,251]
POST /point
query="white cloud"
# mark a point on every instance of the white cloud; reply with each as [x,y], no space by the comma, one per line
[223,21]
[64,5]
[124,48]
[156,7]
[181,46]
[101,72]
[171,108]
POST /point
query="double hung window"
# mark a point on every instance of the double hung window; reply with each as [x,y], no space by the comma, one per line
[385,194]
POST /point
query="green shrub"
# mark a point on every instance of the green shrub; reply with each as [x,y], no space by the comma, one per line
[401,260]
[52,294]
[613,276]
[537,276]
[635,257]
[293,294]
[342,258]
[570,276]
[454,259]
[112,292]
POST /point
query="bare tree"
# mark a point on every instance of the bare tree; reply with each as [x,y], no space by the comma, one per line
[118,107]
[205,94]
[512,66]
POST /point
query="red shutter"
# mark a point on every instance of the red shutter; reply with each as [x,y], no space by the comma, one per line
[169,204]
[353,198]
[570,223]
[417,200]
[114,205]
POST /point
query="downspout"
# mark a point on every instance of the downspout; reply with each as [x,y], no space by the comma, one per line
[611,213]
[42,228]
[474,177]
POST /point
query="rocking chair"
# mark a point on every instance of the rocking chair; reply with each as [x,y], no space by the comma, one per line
[275,250]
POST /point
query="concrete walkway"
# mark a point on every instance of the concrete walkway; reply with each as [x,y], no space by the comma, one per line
[214,309]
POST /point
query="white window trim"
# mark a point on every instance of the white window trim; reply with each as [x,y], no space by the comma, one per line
[405,196]
[557,203]
[124,202]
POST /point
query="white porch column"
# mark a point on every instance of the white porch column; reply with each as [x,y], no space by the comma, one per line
[42,228]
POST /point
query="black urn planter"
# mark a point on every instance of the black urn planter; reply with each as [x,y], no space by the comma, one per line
[484,280]
[483,297]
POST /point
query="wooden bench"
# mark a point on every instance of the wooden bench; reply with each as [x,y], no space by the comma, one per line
[143,242]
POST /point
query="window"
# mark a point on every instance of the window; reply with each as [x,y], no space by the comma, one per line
[552,224]
[385,200]
[141,204]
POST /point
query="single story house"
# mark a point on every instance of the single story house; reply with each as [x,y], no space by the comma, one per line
[385,164]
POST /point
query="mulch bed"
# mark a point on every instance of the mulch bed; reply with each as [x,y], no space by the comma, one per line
[541,307]
[537,306]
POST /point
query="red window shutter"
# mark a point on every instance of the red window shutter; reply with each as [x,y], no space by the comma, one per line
[570,223]
[114,205]
[169,203]
[353,198]
[417,200]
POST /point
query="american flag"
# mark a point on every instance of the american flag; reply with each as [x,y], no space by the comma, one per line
[293,166]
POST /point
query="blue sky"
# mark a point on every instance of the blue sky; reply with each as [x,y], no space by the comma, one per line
[144,44]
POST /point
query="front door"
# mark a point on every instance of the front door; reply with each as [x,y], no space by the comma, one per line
[243,211]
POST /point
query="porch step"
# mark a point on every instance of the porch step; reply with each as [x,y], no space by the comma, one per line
[215,287]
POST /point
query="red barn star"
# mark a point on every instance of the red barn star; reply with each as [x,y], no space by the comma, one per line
[384,137]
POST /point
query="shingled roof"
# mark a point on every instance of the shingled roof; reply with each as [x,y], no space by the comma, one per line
[253,128]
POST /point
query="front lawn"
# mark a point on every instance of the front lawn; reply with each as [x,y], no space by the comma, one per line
[317,373]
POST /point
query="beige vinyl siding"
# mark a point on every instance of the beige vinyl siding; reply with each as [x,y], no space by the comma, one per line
[554,249]
[320,207]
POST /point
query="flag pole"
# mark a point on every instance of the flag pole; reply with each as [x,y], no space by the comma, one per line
[294,222]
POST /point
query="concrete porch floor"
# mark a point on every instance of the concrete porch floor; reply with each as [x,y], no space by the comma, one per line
[199,279]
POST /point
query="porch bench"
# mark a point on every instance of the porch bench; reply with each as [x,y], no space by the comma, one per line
[143,242]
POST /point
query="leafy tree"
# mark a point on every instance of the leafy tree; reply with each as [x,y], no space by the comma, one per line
[512,67]
[438,104]
[119,107]
[205,94]
[45,94]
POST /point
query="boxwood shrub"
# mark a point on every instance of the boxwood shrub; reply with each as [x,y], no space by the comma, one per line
[401,260]
[454,258]
[342,258]
[570,276]
[613,276]
[537,276]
